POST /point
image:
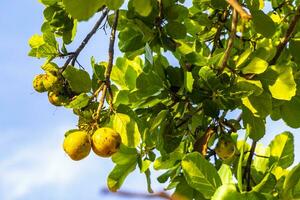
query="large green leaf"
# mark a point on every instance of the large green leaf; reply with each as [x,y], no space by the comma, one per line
[78,79]
[282,149]
[176,30]
[284,87]
[125,72]
[225,174]
[227,192]
[263,24]
[255,126]
[200,174]
[291,182]
[142,7]
[167,161]
[260,106]
[118,174]
[130,40]
[125,156]
[114,4]
[83,9]
[290,112]
[80,101]
[128,129]
[256,66]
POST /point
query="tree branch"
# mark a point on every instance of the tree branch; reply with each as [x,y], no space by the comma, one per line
[106,86]
[222,21]
[74,55]
[230,41]
[247,172]
[287,37]
[235,4]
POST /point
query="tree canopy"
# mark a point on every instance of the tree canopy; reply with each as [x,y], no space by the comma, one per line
[168,102]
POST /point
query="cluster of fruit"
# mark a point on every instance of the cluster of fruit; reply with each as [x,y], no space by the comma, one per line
[104,142]
[53,83]
[77,143]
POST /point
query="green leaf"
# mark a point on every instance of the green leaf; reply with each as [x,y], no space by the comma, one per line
[261,164]
[200,174]
[188,81]
[176,30]
[99,69]
[142,7]
[149,83]
[36,41]
[40,48]
[284,87]
[78,79]
[128,129]
[148,54]
[82,9]
[225,174]
[130,40]
[167,161]
[183,191]
[227,192]
[290,112]
[260,106]
[114,4]
[282,149]
[79,102]
[256,66]
[125,155]
[48,2]
[118,175]
[255,126]
[291,181]
[263,24]
[243,57]
[161,116]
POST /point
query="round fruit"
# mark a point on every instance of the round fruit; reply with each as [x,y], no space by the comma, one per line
[105,142]
[52,83]
[57,99]
[225,148]
[38,83]
[77,145]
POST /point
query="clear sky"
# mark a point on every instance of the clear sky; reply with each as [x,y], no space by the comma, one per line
[32,163]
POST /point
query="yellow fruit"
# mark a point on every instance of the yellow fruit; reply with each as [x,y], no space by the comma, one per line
[105,142]
[38,83]
[57,99]
[52,83]
[77,145]
[225,148]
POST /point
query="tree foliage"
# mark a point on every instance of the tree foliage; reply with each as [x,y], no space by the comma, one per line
[186,68]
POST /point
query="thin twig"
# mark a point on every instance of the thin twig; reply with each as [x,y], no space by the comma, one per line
[106,86]
[289,33]
[74,56]
[235,4]
[230,41]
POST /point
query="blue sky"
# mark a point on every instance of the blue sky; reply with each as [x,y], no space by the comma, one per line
[32,162]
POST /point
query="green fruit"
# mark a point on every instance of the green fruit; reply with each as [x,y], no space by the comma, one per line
[38,84]
[52,83]
[77,145]
[105,142]
[225,148]
[57,99]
